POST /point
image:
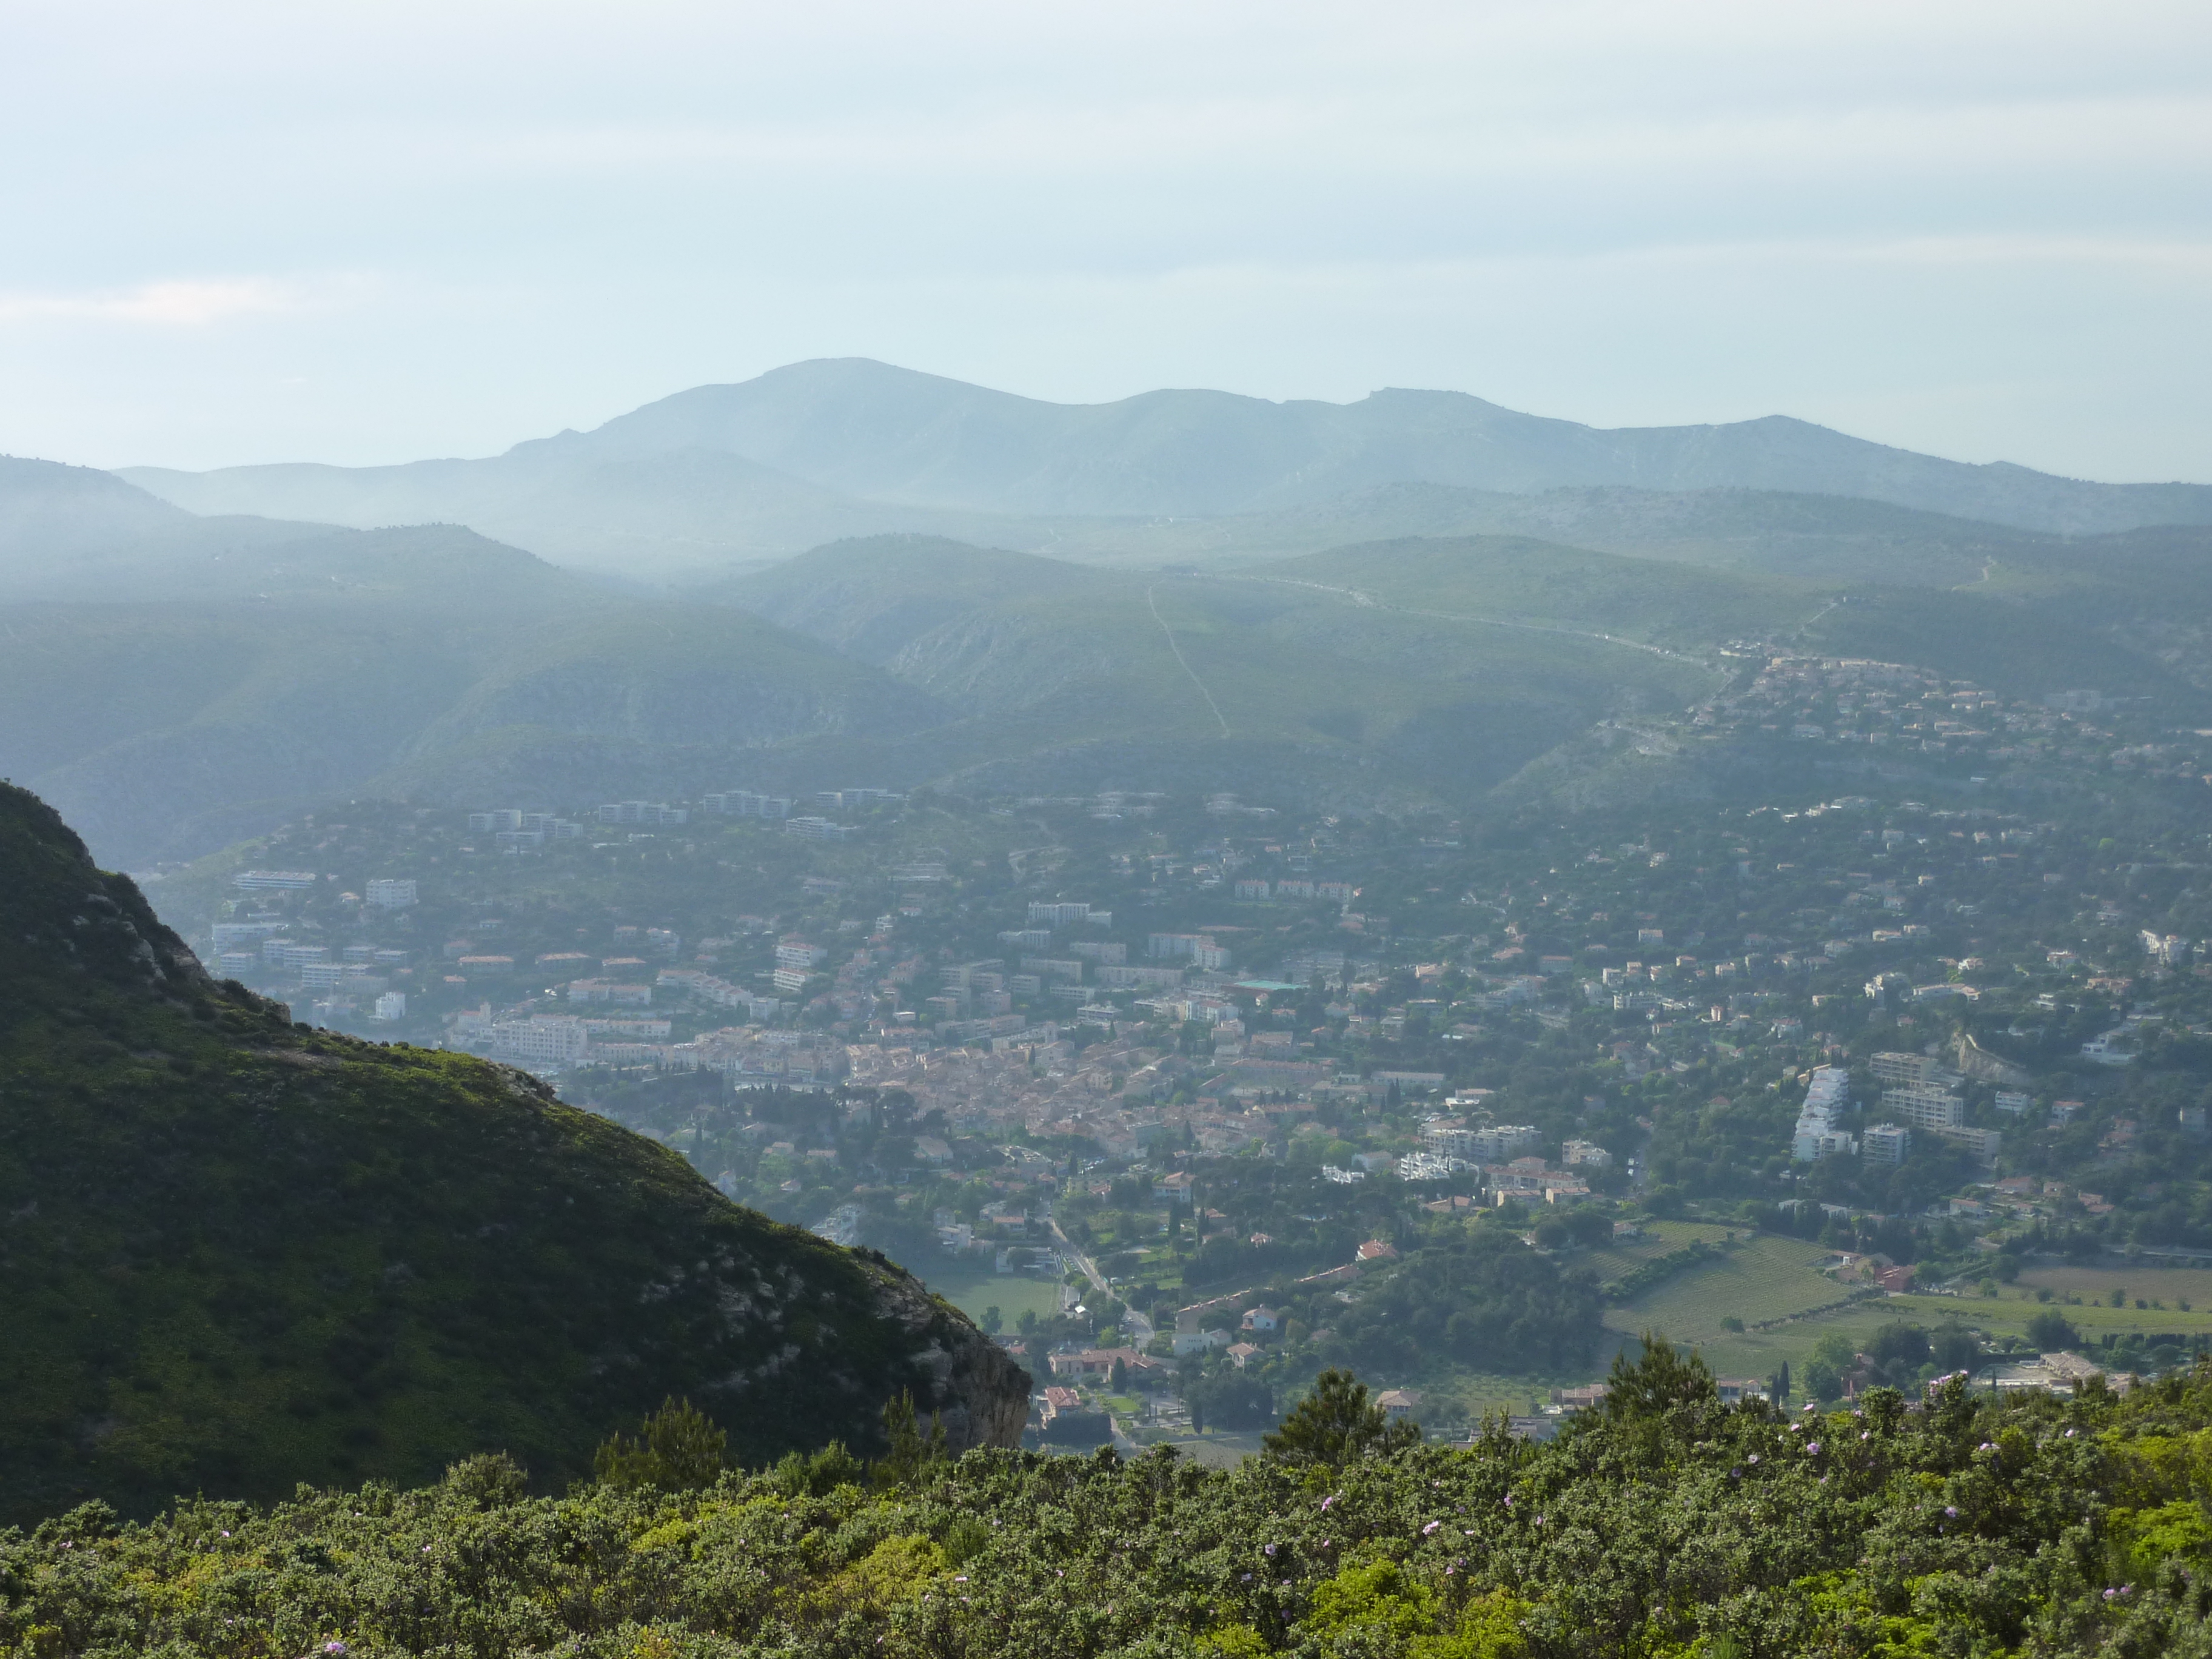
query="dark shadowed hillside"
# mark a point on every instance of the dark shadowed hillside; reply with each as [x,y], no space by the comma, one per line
[236,1254]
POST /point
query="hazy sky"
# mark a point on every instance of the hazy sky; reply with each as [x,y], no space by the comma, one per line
[235,232]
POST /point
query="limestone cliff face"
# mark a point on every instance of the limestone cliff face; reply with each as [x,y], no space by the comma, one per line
[974,1387]
[1983,1066]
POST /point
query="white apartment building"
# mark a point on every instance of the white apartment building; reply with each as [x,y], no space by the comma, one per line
[744,804]
[541,1040]
[1816,1135]
[1914,1069]
[1925,1106]
[1886,1143]
[1499,1143]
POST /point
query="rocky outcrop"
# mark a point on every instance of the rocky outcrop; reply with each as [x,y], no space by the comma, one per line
[971,1384]
[1979,1064]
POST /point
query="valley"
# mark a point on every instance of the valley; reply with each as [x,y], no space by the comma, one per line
[814,925]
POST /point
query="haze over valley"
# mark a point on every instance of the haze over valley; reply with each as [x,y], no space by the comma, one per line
[844,569]
[996,832]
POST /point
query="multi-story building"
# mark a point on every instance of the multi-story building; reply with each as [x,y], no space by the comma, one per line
[1058,914]
[744,804]
[391,893]
[1448,1137]
[1914,1070]
[1817,1135]
[541,1040]
[274,881]
[1498,1143]
[1925,1106]
[600,990]
[1984,1143]
[1886,1143]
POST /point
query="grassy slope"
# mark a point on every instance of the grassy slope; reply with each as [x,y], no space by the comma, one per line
[2019,650]
[1647,599]
[238,1254]
[1768,1277]
[1043,657]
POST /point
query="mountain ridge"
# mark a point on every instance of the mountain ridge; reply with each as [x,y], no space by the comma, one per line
[865,447]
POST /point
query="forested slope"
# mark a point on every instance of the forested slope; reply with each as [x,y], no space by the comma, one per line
[236,1254]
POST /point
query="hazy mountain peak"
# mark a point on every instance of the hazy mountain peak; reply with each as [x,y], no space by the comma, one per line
[57,509]
[840,446]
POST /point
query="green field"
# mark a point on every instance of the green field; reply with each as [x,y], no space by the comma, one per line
[1615,1261]
[2009,1314]
[1767,1278]
[2171,1285]
[972,1289]
[1773,1277]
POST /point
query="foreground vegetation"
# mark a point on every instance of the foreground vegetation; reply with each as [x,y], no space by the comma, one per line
[1670,1524]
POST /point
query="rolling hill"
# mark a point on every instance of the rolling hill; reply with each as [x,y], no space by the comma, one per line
[259,667]
[1062,671]
[240,1255]
[237,684]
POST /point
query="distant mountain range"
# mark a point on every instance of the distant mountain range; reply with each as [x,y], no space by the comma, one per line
[177,679]
[822,449]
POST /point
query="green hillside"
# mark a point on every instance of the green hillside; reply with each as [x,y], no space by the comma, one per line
[1516,578]
[870,598]
[429,660]
[1150,676]
[236,1254]
[246,681]
[1813,538]
[2058,643]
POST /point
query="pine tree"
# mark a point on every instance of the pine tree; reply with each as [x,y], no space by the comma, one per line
[678,1448]
[911,1451]
[1336,1425]
[1658,1380]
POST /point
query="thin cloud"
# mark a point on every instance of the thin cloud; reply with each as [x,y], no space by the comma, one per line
[181,303]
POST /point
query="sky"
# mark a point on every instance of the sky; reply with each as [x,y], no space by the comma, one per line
[234,233]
